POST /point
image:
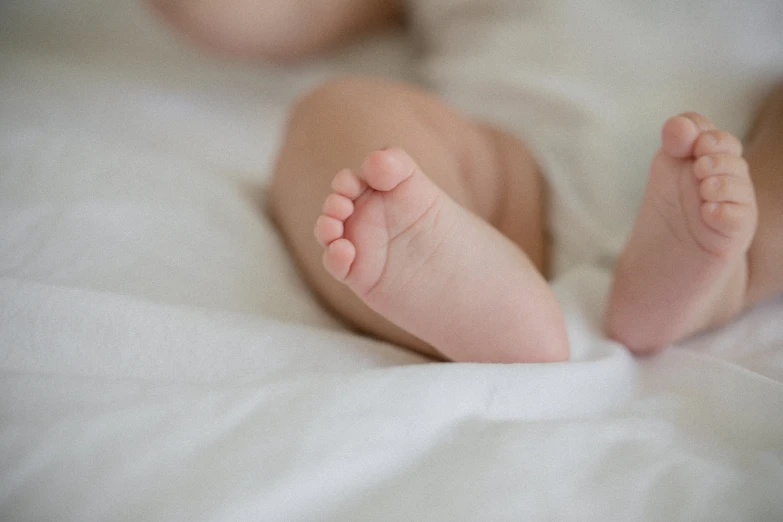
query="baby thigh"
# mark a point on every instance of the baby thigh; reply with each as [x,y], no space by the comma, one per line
[485,170]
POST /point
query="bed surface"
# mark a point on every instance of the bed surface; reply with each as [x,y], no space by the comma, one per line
[160,359]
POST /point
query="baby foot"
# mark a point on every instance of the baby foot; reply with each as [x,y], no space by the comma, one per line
[431,267]
[684,268]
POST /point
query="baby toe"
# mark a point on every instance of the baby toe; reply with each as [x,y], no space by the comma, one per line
[385,169]
[338,258]
[327,229]
[678,135]
[727,164]
[348,184]
[726,189]
[338,206]
[715,142]
[729,220]
[702,123]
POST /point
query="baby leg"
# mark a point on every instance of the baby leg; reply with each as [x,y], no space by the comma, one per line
[764,152]
[441,254]
[277,30]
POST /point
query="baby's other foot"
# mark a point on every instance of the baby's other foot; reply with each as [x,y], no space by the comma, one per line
[684,268]
[434,269]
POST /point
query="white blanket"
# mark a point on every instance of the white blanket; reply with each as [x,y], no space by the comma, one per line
[161,360]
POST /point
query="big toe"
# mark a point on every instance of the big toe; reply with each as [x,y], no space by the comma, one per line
[385,169]
[679,134]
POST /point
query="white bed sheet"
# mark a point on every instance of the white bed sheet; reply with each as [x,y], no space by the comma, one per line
[161,360]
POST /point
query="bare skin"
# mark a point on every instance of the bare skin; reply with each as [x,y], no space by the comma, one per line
[684,268]
[693,262]
[764,153]
[405,248]
[688,266]
[439,243]
[273,30]
[473,191]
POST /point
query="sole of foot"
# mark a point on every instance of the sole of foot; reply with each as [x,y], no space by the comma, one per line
[684,268]
[431,267]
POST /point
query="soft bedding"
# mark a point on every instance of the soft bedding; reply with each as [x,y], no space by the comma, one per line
[160,359]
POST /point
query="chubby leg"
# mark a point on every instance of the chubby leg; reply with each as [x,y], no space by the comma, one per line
[436,243]
[276,30]
[764,152]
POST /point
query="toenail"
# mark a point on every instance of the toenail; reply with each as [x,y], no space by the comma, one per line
[712,208]
[716,183]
